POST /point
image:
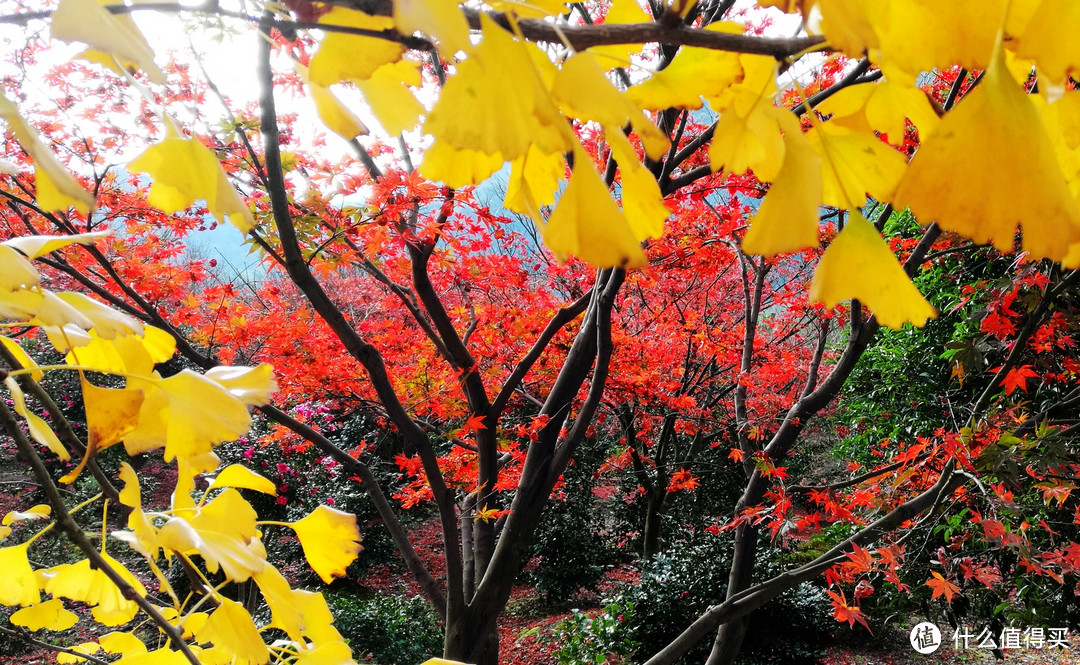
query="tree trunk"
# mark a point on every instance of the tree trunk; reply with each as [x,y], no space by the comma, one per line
[729,637]
[472,637]
[654,512]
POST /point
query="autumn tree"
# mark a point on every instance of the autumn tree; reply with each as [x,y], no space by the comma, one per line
[464,331]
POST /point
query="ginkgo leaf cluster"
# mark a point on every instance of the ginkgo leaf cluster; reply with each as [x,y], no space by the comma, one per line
[185,415]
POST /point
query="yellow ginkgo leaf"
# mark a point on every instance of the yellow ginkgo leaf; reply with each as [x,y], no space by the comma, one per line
[853,165]
[694,73]
[330,653]
[534,180]
[37,246]
[859,265]
[20,585]
[251,385]
[787,220]
[106,321]
[231,629]
[223,532]
[15,271]
[748,136]
[460,168]
[996,139]
[387,93]
[130,496]
[330,540]
[125,644]
[80,582]
[587,224]
[345,57]
[88,648]
[184,171]
[442,19]
[584,92]
[848,25]
[22,358]
[187,413]
[279,598]
[35,424]
[921,35]
[642,203]
[238,475]
[496,103]
[884,107]
[214,656]
[142,537]
[88,22]
[110,413]
[1049,39]
[36,513]
[192,622]
[442,661]
[130,354]
[57,190]
[318,621]
[162,656]
[109,61]
[5,531]
[49,615]
[335,115]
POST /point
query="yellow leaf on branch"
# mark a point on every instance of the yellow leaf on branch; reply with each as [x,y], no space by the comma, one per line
[584,92]
[231,629]
[855,164]
[859,265]
[333,113]
[642,202]
[237,475]
[1050,39]
[787,220]
[185,171]
[87,21]
[49,615]
[36,513]
[387,94]
[345,57]
[57,189]
[330,540]
[125,644]
[39,430]
[20,585]
[995,140]
[694,73]
[497,104]
[222,532]
[78,581]
[587,223]
[188,414]
[442,19]
[534,180]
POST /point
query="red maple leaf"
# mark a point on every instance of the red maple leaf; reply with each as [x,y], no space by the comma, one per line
[942,587]
[1017,378]
[844,612]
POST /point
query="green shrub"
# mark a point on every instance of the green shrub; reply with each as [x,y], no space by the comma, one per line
[676,587]
[390,630]
[596,637]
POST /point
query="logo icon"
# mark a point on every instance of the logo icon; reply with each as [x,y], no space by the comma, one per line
[925,637]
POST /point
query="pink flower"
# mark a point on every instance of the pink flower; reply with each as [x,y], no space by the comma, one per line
[281,501]
[249,453]
[330,501]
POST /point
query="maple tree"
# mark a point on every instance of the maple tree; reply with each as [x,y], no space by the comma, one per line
[494,357]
